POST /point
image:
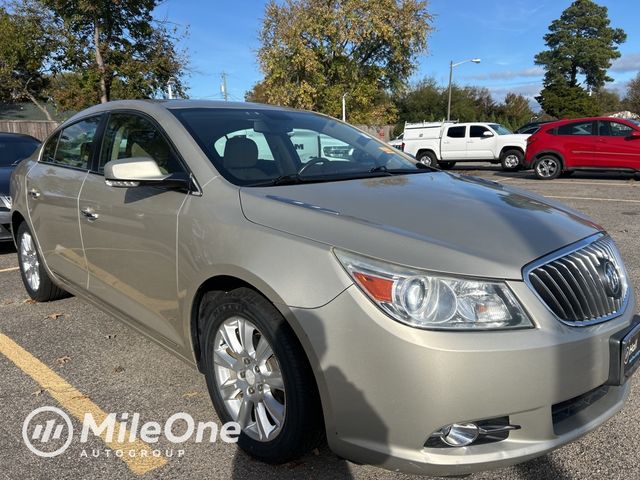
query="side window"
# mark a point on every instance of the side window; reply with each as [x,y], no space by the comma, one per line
[456,132]
[476,131]
[75,144]
[128,135]
[616,129]
[581,128]
[49,150]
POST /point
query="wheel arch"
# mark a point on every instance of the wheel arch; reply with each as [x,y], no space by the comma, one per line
[16,219]
[552,153]
[426,150]
[505,149]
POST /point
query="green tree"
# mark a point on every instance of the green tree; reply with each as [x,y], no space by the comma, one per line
[26,42]
[515,111]
[581,45]
[632,98]
[608,101]
[115,49]
[314,52]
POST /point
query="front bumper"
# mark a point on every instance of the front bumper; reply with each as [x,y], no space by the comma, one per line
[5,226]
[386,387]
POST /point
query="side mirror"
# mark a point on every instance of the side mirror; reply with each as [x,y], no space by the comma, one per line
[634,135]
[136,171]
[487,134]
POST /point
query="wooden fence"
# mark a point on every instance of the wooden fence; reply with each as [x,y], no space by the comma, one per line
[36,128]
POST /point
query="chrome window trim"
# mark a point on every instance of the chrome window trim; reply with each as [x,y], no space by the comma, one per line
[569,249]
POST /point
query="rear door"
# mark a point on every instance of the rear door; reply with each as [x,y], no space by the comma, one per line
[453,145]
[130,233]
[53,186]
[479,146]
[580,143]
[616,148]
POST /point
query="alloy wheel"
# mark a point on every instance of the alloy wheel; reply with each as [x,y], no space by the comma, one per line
[511,161]
[547,167]
[249,379]
[29,261]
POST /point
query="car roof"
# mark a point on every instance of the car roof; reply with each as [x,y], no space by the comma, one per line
[16,136]
[584,119]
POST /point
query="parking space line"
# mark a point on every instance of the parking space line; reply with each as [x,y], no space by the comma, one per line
[77,404]
[577,182]
[11,269]
[594,199]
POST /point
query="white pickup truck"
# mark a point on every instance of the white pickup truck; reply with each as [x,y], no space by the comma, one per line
[445,143]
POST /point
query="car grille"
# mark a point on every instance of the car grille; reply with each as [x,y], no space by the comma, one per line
[579,287]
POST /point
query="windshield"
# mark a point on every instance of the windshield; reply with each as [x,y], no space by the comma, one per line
[12,150]
[500,130]
[257,147]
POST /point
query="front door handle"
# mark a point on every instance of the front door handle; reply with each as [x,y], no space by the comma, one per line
[89,213]
[34,193]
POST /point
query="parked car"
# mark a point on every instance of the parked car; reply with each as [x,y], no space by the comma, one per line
[322,299]
[530,128]
[445,144]
[13,148]
[397,142]
[601,143]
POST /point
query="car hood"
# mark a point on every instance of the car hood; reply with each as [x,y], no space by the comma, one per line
[436,221]
[5,179]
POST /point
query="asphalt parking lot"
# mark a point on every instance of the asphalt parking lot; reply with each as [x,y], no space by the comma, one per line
[106,365]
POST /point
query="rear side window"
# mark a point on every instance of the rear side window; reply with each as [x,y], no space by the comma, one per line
[12,150]
[75,145]
[456,132]
[580,128]
[128,136]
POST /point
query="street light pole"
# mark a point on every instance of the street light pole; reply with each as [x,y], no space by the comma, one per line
[451,67]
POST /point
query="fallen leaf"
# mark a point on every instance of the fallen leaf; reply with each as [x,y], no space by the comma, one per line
[38,392]
[8,302]
[118,369]
[63,360]
[191,394]
[55,316]
[29,301]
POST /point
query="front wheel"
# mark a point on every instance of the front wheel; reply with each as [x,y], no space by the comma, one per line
[511,160]
[258,376]
[35,278]
[548,168]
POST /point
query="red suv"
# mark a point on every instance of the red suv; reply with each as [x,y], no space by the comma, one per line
[601,143]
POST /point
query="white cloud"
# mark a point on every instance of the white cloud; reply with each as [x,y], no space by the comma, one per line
[626,63]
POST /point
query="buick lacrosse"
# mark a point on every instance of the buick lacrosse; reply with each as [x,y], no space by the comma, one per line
[329,287]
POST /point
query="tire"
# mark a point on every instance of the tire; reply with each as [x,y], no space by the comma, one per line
[253,378]
[511,160]
[567,173]
[428,158]
[34,277]
[446,165]
[547,167]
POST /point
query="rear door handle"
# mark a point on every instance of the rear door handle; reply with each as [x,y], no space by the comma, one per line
[89,213]
[34,193]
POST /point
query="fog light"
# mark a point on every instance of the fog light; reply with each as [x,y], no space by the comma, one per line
[460,434]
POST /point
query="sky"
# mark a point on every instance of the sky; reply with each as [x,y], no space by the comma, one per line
[505,34]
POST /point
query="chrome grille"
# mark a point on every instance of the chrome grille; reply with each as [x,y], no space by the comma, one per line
[575,285]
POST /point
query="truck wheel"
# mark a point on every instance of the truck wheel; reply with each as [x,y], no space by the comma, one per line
[428,158]
[446,165]
[511,160]
[547,167]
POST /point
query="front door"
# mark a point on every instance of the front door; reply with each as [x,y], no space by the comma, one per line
[53,186]
[130,233]
[481,143]
[616,147]
[580,143]
[454,143]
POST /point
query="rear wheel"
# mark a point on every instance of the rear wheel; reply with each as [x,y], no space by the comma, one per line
[428,158]
[548,167]
[511,160]
[35,278]
[446,165]
[259,377]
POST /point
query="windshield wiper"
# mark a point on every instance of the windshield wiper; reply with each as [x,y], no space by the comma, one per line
[281,180]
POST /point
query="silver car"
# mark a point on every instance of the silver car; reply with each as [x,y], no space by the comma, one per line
[417,320]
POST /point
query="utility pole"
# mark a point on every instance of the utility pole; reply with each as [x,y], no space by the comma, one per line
[451,67]
[344,107]
[223,86]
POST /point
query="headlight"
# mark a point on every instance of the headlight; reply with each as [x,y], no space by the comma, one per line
[431,301]
[6,201]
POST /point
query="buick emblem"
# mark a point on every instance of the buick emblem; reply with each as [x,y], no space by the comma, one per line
[611,279]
